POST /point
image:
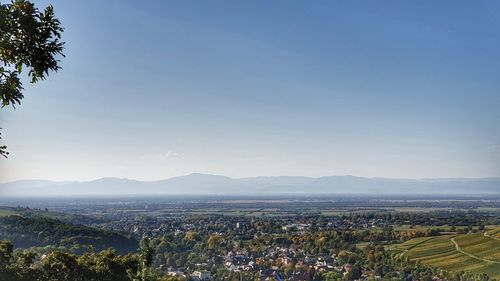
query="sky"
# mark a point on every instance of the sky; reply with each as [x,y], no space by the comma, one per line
[156,89]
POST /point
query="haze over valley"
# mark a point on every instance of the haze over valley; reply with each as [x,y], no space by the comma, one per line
[204,184]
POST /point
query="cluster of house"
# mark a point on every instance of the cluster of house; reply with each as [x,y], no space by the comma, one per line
[271,263]
[198,275]
[284,257]
[239,261]
[154,227]
[278,258]
[296,226]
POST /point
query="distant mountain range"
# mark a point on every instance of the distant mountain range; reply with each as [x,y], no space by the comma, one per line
[203,184]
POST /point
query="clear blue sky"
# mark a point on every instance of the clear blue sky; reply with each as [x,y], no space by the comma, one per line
[244,88]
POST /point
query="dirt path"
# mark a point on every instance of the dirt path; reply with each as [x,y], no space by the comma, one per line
[457,247]
[492,237]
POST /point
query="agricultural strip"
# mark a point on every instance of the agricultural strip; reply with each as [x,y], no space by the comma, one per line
[475,253]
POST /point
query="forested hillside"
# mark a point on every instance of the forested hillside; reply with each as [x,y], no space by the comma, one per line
[25,232]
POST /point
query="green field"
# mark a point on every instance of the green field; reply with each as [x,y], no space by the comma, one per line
[475,253]
[7,212]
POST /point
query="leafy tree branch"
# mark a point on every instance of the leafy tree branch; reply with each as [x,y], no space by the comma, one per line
[30,40]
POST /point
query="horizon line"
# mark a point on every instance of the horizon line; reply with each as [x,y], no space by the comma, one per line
[249,177]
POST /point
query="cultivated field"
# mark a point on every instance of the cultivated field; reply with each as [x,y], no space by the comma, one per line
[7,212]
[494,233]
[476,253]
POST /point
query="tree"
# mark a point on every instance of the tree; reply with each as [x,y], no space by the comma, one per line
[146,260]
[59,266]
[6,257]
[30,40]
[354,273]
[6,252]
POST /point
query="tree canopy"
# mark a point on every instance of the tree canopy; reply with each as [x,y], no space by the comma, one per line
[30,40]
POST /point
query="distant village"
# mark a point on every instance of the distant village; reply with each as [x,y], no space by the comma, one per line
[241,260]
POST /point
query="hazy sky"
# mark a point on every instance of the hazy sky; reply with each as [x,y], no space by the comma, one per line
[242,88]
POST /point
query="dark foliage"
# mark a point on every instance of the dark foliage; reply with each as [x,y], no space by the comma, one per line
[41,231]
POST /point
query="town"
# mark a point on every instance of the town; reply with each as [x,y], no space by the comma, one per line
[275,240]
